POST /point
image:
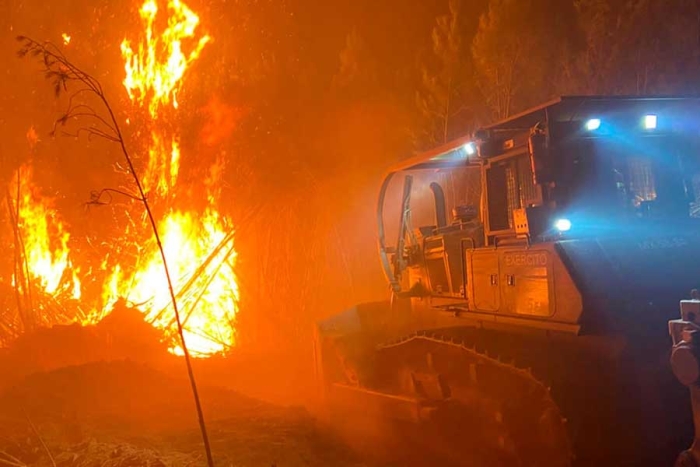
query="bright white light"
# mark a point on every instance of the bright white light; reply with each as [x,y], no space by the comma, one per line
[650,122]
[593,124]
[563,225]
[470,149]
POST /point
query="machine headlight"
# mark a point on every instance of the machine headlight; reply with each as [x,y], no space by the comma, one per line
[562,225]
[650,122]
[593,124]
[470,149]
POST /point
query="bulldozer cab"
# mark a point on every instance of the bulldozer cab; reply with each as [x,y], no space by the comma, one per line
[439,204]
[574,168]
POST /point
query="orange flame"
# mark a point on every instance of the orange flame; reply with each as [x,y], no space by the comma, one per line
[198,246]
[201,260]
[163,165]
[44,239]
[154,71]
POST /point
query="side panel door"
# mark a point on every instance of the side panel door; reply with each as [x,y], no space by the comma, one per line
[527,282]
[482,266]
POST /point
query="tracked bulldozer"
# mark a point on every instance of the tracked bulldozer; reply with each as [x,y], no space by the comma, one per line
[532,269]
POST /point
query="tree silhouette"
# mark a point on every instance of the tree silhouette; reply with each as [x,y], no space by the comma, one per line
[442,97]
[518,51]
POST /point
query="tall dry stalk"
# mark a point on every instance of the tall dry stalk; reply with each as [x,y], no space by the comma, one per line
[21,267]
[61,72]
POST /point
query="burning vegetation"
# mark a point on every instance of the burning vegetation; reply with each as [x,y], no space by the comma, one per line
[198,244]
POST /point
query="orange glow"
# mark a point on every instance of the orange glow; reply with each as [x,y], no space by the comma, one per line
[155,69]
[220,121]
[44,239]
[66,38]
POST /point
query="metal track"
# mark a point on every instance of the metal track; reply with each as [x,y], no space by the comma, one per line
[529,421]
[434,338]
[514,390]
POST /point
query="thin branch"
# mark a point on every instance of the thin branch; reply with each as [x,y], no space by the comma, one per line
[89,113]
[8,459]
[41,439]
[17,261]
[23,262]
[200,270]
[91,132]
[211,277]
[71,108]
[62,74]
[84,110]
[76,94]
[96,196]
[52,50]
[461,109]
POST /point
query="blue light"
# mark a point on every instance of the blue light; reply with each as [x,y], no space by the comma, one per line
[470,149]
[593,124]
[650,122]
[563,225]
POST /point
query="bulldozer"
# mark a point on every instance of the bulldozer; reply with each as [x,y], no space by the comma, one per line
[533,267]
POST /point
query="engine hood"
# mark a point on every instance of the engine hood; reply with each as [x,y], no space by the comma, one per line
[630,282]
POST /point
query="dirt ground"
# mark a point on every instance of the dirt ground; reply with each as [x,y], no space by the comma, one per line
[124,413]
[111,396]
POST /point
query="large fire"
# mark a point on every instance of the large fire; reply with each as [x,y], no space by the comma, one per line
[199,248]
[198,245]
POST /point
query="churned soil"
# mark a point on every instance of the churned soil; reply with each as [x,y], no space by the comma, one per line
[123,413]
[112,396]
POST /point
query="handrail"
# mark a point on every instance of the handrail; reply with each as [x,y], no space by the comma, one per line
[384,257]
